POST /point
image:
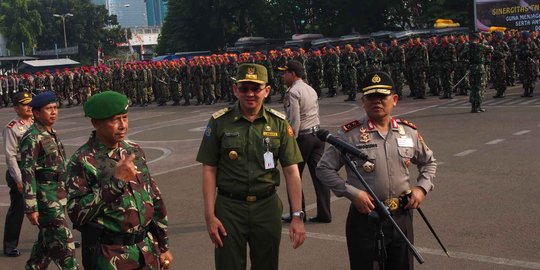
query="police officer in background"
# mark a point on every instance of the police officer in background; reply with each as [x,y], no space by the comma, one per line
[113,200]
[12,135]
[239,151]
[392,145]
[302,110]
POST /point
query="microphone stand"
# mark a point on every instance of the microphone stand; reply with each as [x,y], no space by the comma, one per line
[381,213]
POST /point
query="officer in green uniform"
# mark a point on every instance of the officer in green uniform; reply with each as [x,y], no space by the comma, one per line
[43,163]
[239,151]
[113,200]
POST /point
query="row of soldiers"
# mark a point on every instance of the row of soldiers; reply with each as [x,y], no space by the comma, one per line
[446,64]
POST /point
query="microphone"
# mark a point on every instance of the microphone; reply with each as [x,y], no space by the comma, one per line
[325,136]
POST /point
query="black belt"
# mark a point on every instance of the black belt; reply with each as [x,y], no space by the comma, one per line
[247,198]
[124,239]
[310,130]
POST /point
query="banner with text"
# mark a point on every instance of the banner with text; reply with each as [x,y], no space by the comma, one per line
[512,14]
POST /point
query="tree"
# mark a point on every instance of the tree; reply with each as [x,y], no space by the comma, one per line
[20,22]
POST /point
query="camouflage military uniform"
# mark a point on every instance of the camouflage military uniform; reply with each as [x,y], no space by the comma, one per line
[67,89]
[43,162]
[477,53]
[118,79]
[527,54]
[396,61]
[174,84]
[498,63]
[142,82]
[417,61]
[331,73]
[161,79]
[314,70]
[460,73]
[432,73]
[447,63]
[185,78]
[197,82]
[349,74]
[136,208]
[58,88]
[511,61]
[209,77]
[374,58]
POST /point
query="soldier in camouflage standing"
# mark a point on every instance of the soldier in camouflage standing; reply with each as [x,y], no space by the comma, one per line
[280,61]
[527,55]
[113,200]
[58,87]
[477,52]
[511,41]
[348,60]
[174,83]
[209,77]
[498,58]
[43,164]
[314,70]
[185,78]
[374,56]
[197,81]
[142,82]
[361,64]
[331,71]
[68,87]
[396,61]
[416,57]
[118,78]
[434,70]
[161,79]
[460,73]
[447,62]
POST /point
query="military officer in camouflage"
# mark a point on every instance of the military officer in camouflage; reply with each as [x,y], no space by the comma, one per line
[113,200]
[12,135]
[239,151]
[43,163]
[392,145]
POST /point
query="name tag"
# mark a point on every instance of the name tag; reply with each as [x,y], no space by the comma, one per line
[405,142]
[270,134]
[268,160]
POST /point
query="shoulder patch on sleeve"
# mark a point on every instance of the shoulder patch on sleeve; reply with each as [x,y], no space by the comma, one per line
[407,123]
[220,113]
[277,113]
[347,127]
[11,124]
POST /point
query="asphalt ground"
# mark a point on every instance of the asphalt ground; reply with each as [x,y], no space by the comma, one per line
[484,206]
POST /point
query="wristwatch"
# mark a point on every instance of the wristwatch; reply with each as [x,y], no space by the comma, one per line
[299,214]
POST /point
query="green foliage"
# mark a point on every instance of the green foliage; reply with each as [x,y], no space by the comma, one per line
[211,24]
[32,22]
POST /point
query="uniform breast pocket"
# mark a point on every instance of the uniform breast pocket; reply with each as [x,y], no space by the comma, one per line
[232,147]
[406,154]
[274,146]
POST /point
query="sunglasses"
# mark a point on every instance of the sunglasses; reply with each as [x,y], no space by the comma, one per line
[243,89]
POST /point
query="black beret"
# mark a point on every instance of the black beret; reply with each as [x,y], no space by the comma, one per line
[42,99]
[294,66]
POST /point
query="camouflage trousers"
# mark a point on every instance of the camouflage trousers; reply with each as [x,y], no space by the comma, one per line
[142,96]
[478,87]
[175,91]
[208,89]
[446,77]
[499,78]
[331,80]
[55,242]
[461,80]
[434,80]
[349,81]
[141,256]
[397,77]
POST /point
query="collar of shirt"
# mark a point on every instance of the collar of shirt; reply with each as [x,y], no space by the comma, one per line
[42,129]
[238,114]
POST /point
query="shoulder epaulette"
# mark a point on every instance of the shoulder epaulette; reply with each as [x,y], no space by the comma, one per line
[407,123]
[12,124]
[347,127]
[220,113]
[277,113]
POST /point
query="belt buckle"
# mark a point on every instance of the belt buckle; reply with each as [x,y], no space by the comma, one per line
[251,198]
[392,203]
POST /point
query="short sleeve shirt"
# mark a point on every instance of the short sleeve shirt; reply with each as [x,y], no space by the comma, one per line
[237,147]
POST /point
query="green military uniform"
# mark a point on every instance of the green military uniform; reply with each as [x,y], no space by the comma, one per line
[477,53]
[396,60]
[460,75]
[125,223]
[247,204]
[43,163]
[331,72]
[527,55]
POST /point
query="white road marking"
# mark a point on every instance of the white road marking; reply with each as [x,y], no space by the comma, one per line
[521,132]
[198,129]
[495,141]
[437,252]
[166,153]
[176,169]
[528,102]
[464,153]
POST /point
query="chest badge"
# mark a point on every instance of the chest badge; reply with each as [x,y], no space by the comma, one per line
[368,167]
[401,130]
[364,136]
[233,155]
[267,128]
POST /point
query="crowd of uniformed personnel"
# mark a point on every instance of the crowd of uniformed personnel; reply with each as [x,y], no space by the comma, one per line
[448,65]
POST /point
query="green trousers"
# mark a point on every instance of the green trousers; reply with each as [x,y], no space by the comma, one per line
[255,223]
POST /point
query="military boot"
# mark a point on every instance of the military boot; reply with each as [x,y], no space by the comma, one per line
[473,108]
[525,92]
[352,97]
[479,107]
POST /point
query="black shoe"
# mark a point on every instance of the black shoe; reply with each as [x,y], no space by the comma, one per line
[420,97]
[331,95]
[319,220]
[12,253]
[77,244]
[187,103]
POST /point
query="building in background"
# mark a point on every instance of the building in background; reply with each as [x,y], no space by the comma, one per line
[3,44]
[156,11]
[100,2]
[130,13]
